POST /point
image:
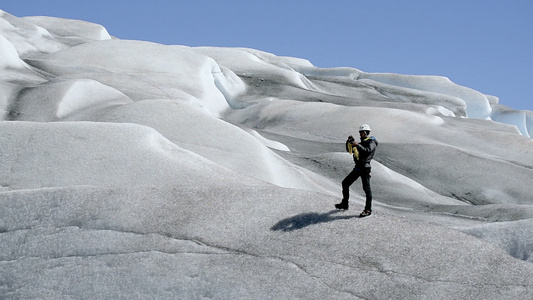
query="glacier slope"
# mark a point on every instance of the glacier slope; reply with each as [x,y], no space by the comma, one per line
[235,241]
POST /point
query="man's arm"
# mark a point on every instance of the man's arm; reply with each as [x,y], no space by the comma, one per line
[367,148]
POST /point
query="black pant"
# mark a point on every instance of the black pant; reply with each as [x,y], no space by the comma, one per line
[351,178]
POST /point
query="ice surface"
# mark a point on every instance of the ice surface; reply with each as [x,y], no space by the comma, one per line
[57,100]
[176,72]
[477,104]
[135,170]
[27,37]
[10,58]
[269,143]
[76,29]
[523,120]
[514,237]
[88,153]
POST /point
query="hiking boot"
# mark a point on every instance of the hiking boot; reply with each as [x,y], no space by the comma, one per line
[365,213]
[341,206]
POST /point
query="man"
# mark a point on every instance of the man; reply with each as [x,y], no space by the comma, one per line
[363,153]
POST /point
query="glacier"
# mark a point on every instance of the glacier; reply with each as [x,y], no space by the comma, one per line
[134,170]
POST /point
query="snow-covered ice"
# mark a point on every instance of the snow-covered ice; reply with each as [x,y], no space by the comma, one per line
[134,170]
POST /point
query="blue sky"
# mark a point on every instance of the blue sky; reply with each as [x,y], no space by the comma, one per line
[482,44]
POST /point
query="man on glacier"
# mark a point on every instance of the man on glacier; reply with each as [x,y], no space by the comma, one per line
[363,153]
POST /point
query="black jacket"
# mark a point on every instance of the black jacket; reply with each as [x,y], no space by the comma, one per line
[366,150]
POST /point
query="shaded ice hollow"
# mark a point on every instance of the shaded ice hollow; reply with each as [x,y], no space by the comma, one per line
[136,170]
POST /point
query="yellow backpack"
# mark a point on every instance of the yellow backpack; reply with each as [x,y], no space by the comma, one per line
[353,150]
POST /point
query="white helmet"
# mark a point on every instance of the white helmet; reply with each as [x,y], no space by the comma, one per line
[364,127]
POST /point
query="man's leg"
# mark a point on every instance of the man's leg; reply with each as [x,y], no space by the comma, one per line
[365,179]
[351,178]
